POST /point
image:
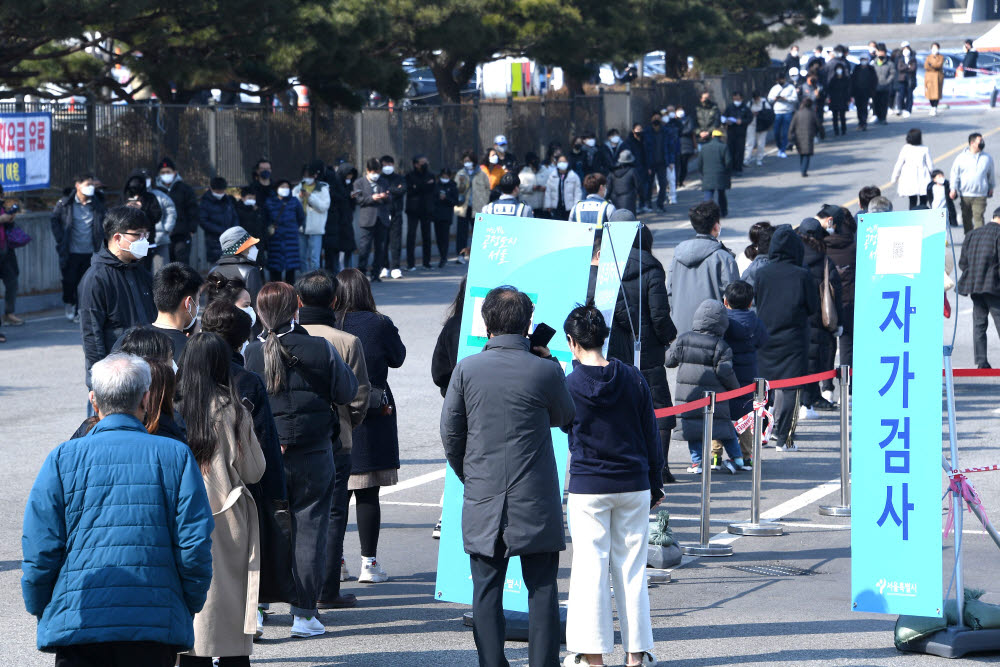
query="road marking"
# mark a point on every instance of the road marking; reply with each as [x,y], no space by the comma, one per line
[943,156]
[398,502]
[409,483]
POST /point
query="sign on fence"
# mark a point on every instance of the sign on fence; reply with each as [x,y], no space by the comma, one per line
[527,254]
[896,562]
[25,143]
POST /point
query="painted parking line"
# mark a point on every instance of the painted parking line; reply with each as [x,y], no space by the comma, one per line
[420,480]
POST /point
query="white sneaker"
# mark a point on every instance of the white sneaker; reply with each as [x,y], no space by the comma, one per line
[933,111]
[461,260]
[70,311]
[372,573]
[782,154]
[345,574]
[729,467]
[760,163]
[396,274]
[383,273]
[806,413]
[828,395]
[787,448]
[906,114]
[260,625]
[307,627]
[695,468]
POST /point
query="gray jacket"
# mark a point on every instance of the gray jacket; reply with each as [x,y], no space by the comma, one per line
[700,270]
[885,74]
[972,174]
[496,429]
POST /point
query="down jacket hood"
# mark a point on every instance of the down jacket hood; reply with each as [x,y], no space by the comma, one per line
[646,258]
[786,246]
[597,386]
[711,318]
[697,250]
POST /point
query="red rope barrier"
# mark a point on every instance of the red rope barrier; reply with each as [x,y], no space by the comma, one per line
[975,372]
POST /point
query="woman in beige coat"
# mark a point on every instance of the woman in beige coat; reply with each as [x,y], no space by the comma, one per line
[934,77]
[220,434]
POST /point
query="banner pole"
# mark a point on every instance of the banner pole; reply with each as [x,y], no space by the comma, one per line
[755,527]
[844,508]
[703,548]
[949,383]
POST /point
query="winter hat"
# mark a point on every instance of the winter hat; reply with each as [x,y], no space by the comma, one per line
[235,240]
[166,163]
[622,215]
[716,133]
[500,140]
[626,157]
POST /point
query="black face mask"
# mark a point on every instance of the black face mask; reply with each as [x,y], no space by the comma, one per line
[657,123]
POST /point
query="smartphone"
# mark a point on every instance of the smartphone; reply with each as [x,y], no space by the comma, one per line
[542,335]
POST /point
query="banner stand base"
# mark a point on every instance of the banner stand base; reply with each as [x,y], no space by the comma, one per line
[762,529]
[516,624]
[713,550]
[835,510]
[953,642]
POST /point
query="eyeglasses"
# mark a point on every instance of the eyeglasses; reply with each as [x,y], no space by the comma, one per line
[139,235]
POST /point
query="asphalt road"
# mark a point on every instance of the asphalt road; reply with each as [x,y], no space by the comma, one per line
[711,614]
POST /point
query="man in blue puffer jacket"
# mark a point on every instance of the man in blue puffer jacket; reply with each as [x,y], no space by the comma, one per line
[117,535]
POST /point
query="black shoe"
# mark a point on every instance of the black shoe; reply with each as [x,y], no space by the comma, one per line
[984,366]
[668,477]
[823,404]
[442,263]
[345,601]
[376,279]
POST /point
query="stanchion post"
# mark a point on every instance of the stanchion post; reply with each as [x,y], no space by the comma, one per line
[755,527]
[844,508]
[703,548]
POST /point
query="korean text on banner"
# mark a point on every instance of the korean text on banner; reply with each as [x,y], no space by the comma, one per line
[507,250]
[25,143]
[896,562]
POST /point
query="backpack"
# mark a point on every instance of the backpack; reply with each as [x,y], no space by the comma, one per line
[765,117]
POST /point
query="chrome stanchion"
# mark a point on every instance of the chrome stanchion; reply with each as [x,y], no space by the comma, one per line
[756,527]
[844,508]
[704,548]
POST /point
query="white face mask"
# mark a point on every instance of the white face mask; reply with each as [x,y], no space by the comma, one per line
[149,183]
[87,191]
[388,169]
[308,180]
[347,181]
[738,103]
[194,315]
[563,166]
[591,142]
[243,348]
[250,202]
[168,177]
[253,318]
[680,113]
[671,115]
[615,140]
[284,192]
[139,248]
[173,365]
[445,180]
[252,253]
[372,177]
[494,159]
[468,165]
[218,195]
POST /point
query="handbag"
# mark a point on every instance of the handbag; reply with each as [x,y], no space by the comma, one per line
[828,301]
[17,237]
[378,399]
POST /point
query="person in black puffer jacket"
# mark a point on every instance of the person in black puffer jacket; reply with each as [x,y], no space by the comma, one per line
[623,182]
[705,363]
[842,248]
[821,341]
[657,329]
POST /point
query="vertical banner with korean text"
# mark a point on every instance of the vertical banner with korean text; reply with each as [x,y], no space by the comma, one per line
[25,142]
[896,562]
[549,260]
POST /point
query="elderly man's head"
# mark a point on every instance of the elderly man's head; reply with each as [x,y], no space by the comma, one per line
[507,311]
[879,205]
[120,385]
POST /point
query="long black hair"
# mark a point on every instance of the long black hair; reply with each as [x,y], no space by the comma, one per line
[276,306]
[354,292]
[458,305]
[204,384]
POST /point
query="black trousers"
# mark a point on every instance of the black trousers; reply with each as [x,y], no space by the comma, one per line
[76,265]
[984,306]
[917,200]
[279,276]
[442,234]
[116,654]
[232,661]
[880,104]
[488,576]
[847,340]
[331,253]
[736,142]
[395,244]
[463,225]
[9,273]
[839,121]
[862,105]
[372,236]
[330,590]
[413,222]
[784,410]
[682,168]
[658,173]
[180,248]
[310,478]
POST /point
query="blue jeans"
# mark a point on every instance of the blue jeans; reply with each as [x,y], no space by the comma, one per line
[731,445]
[314,249]
[782,121]
[723,201]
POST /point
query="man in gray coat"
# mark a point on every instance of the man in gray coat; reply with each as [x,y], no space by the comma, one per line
[701,267]
[496,424]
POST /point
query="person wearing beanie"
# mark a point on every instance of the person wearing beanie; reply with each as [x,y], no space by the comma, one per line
[623,183]
[218,213]
[186,205]
[239,260]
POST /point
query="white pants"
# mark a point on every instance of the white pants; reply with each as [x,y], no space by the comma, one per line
[609,531]
[672,181]
[756,143]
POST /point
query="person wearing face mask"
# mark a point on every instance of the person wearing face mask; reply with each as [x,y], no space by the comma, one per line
[373,218]
[261,182]
[463,211]
[707,117]
[395,184]
[660,148]
[442,212]
[633,144]
[77,226]
[420,193]
[285,218]
[885,77]
[607,155]
[838,92]
[793,59]
[218,213]
[116,292]
[934,77]
[737,118]
[136,193]
[578,158]
[762,119]
[839,59]
[507,159]
[784,99]
[252,216]
[159,251]
[973,176]
[863,84]
[176,290]
[314,195]
[533,177]
[906,80]
[186,204]
[687,127]
[970,60]
[239,260]
[342,237]
[937,196]
[563,189]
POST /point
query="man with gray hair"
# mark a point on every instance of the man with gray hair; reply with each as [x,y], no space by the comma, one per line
[880,205]
[117,538]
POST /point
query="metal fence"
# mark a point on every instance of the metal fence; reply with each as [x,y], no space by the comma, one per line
[207,141]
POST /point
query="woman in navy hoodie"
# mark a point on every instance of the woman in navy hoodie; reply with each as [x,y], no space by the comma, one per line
[615,464]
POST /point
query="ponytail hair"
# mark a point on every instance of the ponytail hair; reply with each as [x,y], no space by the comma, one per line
[586,326]
[276,306]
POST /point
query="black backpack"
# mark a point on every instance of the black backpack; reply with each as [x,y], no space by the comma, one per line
[765,117]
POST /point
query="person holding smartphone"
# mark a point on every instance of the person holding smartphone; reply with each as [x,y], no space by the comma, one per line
[374,201]
[615,464]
